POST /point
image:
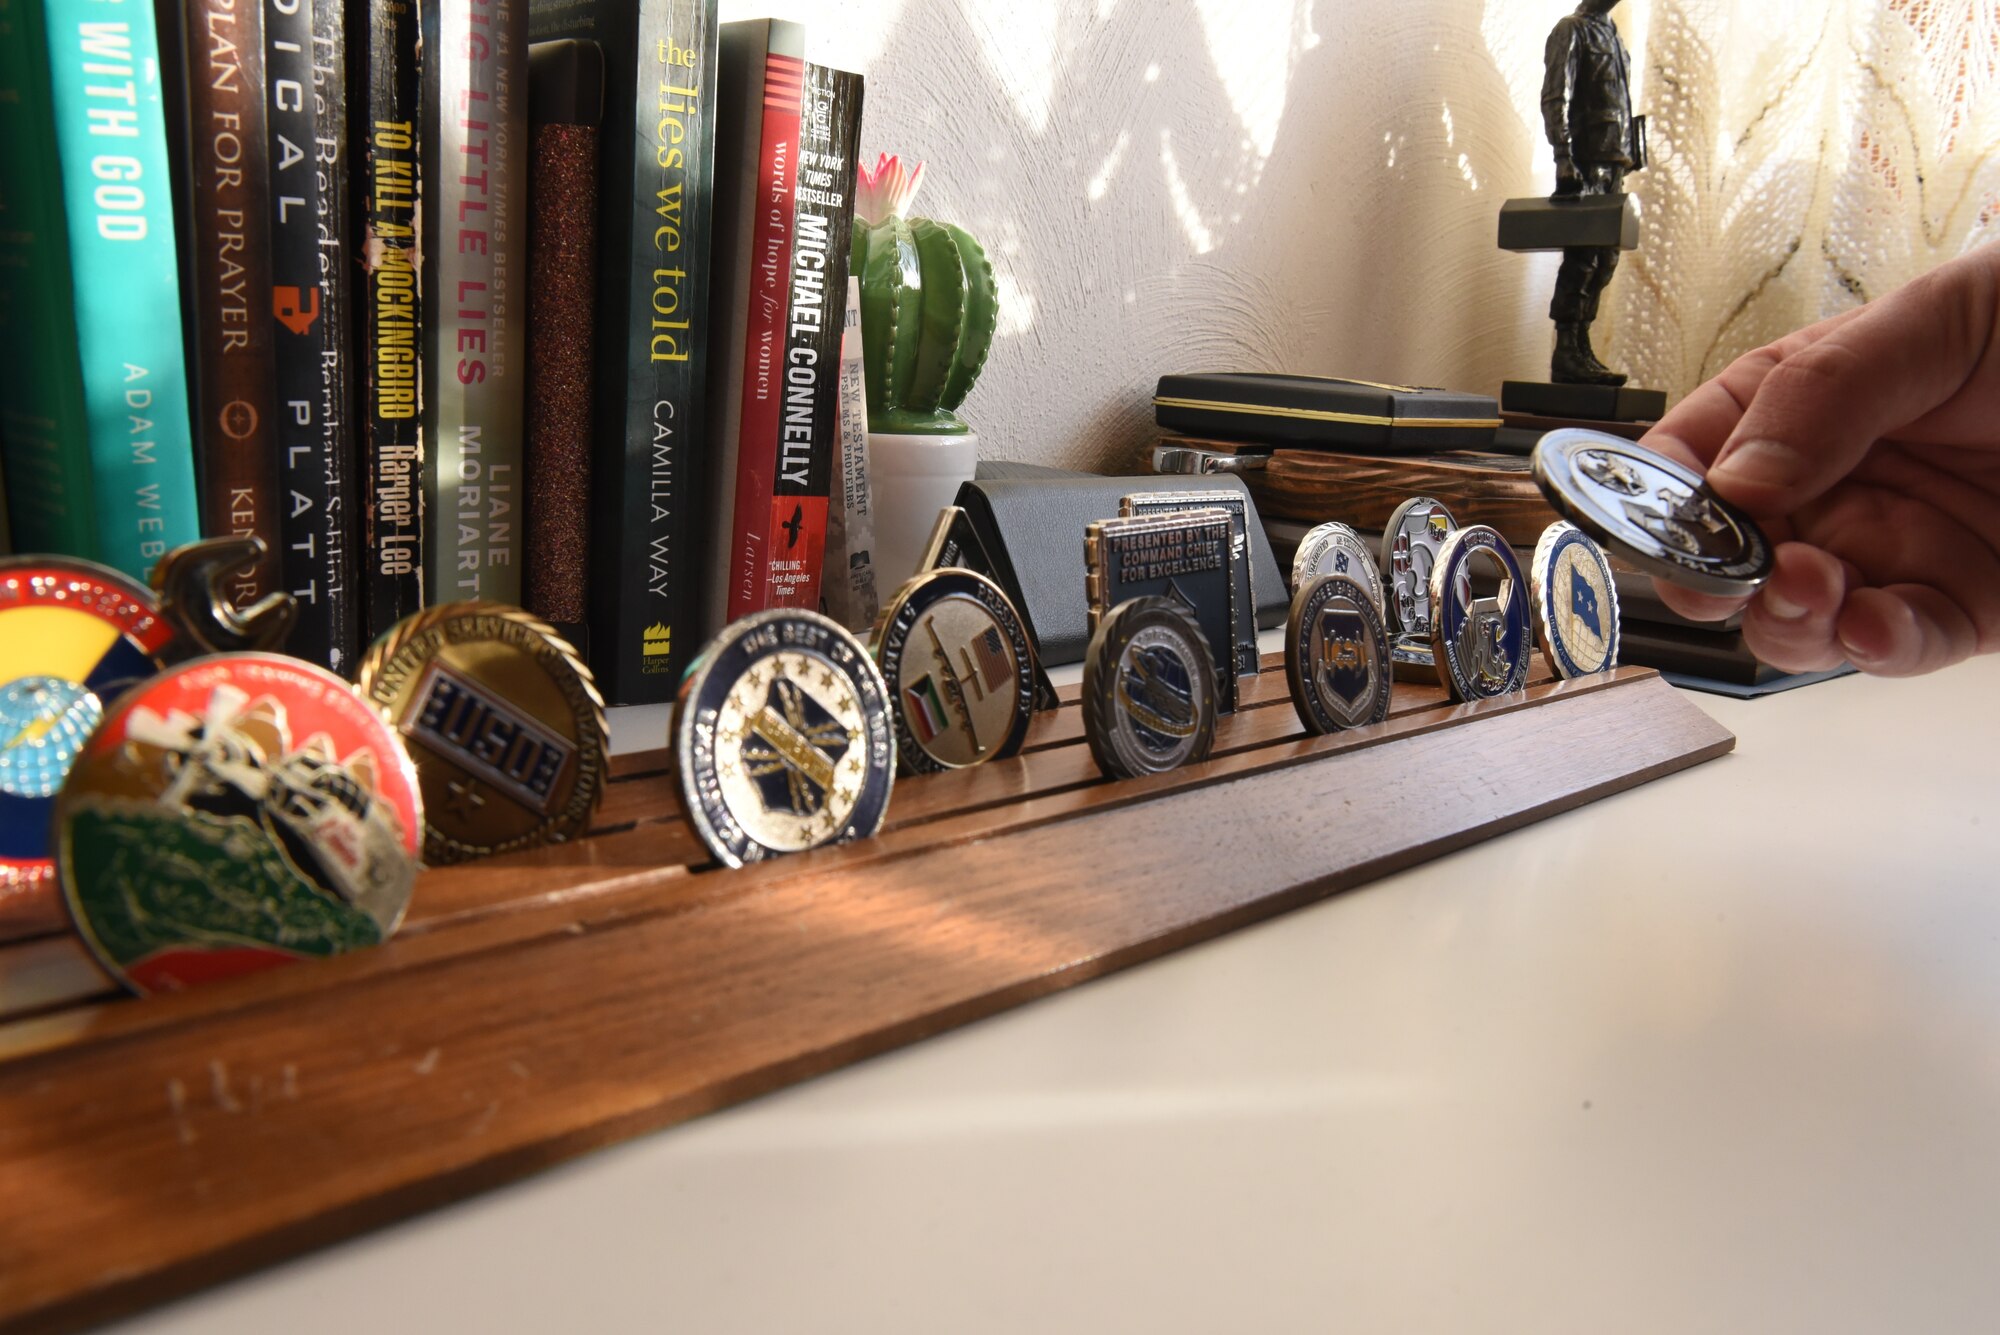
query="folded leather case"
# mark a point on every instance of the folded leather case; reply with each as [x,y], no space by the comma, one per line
[1033,528]
[1304,411]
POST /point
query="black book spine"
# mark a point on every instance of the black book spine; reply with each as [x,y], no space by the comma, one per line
[388,189]
[212,68]
[823,214]
[307,125]
[655,187]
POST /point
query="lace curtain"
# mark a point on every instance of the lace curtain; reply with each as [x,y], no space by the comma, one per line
[1808,155]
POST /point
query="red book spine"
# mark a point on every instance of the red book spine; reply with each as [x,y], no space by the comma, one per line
[764,343]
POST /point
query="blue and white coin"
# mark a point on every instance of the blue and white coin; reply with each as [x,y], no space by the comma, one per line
[1576,602]
[1337,656]
[1336,549]
[784,739]
[1482,645]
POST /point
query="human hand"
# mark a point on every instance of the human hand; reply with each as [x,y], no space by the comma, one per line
[1868,446]
[1569,181]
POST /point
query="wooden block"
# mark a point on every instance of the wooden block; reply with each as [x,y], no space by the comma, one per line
[540,1006]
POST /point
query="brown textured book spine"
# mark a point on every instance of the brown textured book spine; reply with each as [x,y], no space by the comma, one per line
[566,105]
[229,177]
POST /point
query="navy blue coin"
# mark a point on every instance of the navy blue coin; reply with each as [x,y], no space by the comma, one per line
[1481,643]
[784,738]
[1337,656]
[1149,689]
[1576,602]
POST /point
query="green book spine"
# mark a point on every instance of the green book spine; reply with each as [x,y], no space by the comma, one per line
[43,436]
[111,136]
[648,525]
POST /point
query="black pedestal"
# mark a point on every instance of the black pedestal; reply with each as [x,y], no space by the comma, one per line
[1598,403]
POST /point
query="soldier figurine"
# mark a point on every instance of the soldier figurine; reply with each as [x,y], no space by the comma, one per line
[1587,109]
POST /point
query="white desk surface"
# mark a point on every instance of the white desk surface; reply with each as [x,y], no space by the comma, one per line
[1720,1054]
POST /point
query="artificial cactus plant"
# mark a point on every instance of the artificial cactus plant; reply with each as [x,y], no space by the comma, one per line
[928,308]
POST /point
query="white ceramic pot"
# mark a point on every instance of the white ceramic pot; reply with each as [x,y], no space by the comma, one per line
[912,478]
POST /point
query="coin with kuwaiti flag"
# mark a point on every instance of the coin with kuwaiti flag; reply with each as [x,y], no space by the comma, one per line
[958,661]
[233,814]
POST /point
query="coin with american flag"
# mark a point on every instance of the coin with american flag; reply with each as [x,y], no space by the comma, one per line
[961,669]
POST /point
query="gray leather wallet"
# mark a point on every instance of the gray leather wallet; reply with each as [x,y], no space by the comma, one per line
[1032,528]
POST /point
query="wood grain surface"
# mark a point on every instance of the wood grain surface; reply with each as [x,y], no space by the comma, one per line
[1319,486]
[538,1006]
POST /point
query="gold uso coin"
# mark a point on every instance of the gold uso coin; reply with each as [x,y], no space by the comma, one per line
[503,720]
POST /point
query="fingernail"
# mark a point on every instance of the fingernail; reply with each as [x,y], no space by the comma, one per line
[1781,607]
[1859,657]
[1768,462]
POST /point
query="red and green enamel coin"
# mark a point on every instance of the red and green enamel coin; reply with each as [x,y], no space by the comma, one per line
[235,814]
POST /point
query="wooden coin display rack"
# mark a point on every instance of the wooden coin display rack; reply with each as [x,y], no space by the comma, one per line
[537,1006]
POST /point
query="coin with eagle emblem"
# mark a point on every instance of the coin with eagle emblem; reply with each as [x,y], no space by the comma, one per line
[783,738]
[1337,656]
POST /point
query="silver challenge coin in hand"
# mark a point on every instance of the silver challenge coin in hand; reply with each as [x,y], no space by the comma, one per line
[1653,512]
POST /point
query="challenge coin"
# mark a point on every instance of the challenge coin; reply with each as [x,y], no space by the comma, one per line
[783,738]
[1410,547]
[1337,655]
[234,814]
[1653,512]
[73,636]
[503,720]
[1188,556]
[1149,689]
[1336,549]
[1481,644]
[1576,602]
[959,667]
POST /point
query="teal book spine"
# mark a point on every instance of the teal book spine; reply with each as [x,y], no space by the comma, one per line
[43,437]
[111,138]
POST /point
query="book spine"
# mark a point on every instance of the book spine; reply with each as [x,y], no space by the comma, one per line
[229,272]
[475,288]
[305,125]
[830,125]
[566,108]
[848,593]
[111,133]
[653,328]
[43,434]
[390,369]
[777,163]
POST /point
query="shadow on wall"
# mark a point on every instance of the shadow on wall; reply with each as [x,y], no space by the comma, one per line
[1209,184]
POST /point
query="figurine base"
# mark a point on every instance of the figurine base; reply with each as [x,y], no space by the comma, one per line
[1590,403]
[1541,223]
[1531,425]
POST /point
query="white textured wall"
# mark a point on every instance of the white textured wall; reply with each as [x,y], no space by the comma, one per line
[1312,185]
[1174,185]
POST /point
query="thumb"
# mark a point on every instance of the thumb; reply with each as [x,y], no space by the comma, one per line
[1817,412]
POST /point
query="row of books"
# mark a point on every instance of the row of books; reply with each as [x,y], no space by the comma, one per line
[531,300]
